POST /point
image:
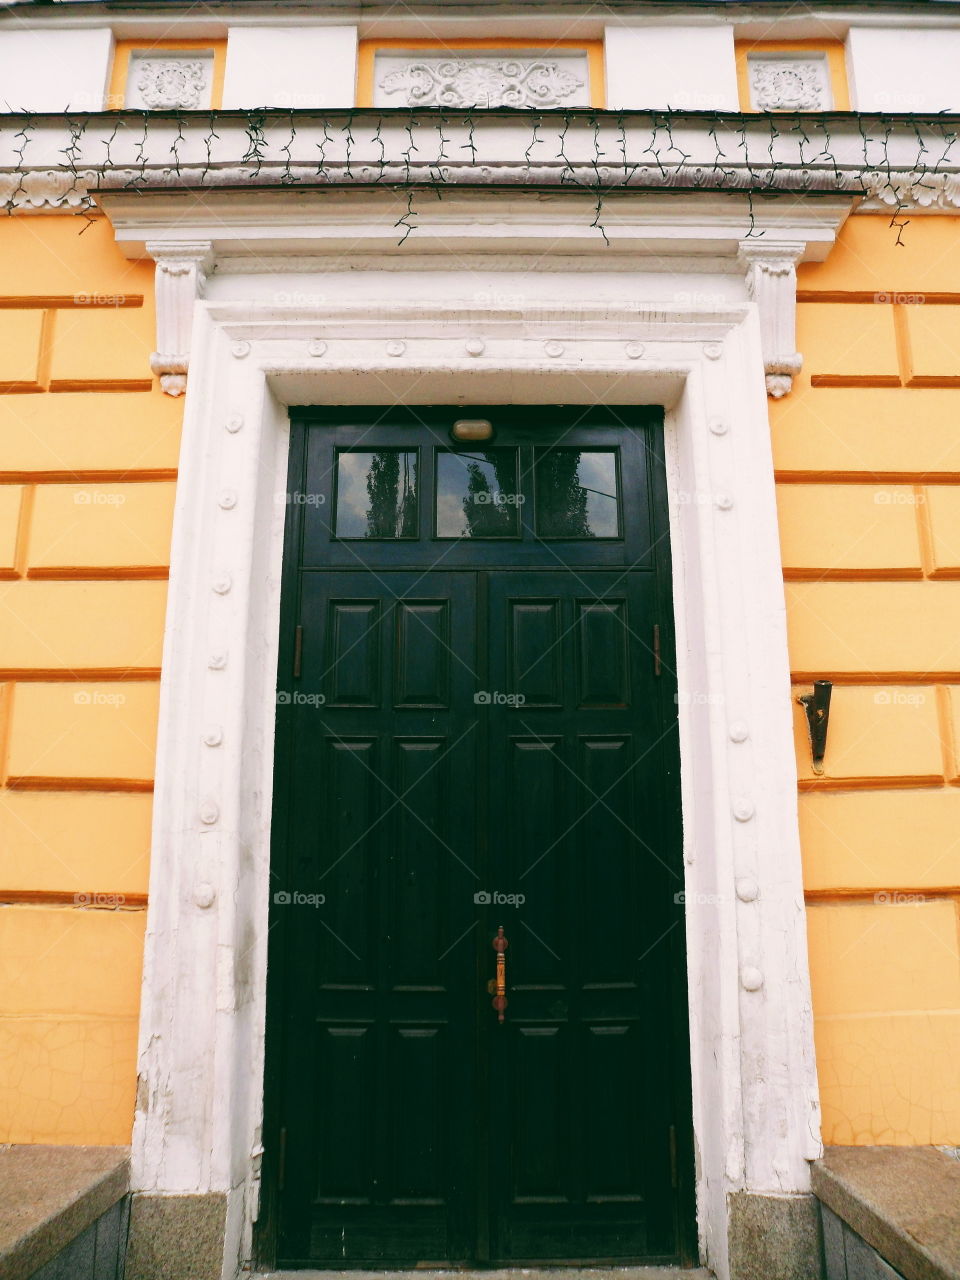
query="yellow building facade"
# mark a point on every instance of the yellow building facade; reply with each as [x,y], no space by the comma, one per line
[866,465]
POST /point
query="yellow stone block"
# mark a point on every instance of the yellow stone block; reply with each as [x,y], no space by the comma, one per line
[846,339]
[101,525]
[81,625]
[867,257]
[889,1080]
[873,627]
[10,498]
[101,344]
[70,961]
[886,956]
[857,430]
[113,431]
[83,730]
[875,732]
[880,840]
[57,256]
[934,339]
[69,1080]
[76,842]
[943,505]
[20,333]
[853,528]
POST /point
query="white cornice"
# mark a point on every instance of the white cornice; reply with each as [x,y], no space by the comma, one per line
[593,151]
[257,232]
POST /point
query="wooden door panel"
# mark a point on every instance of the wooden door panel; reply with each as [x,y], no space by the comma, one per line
[381,731]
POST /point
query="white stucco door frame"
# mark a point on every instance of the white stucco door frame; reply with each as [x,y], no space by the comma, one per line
[456,324]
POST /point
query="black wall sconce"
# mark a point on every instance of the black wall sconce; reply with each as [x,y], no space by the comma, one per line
[817,707]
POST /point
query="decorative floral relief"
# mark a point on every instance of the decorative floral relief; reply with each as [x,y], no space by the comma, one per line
[170,82]
[786,84]
[484,82]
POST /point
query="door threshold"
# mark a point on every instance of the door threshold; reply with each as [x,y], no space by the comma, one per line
[502,1273]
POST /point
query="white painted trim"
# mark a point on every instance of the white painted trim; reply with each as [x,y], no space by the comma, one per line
[201,1047]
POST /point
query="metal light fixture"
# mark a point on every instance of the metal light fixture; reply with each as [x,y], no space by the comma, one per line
[469,430]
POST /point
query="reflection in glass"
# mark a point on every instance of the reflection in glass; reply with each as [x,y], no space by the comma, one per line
[477,494]
[377,494]
[577,493]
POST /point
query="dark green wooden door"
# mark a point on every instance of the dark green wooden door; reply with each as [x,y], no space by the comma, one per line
[477,729]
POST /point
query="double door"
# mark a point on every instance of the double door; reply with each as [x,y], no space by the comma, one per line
[477,1048]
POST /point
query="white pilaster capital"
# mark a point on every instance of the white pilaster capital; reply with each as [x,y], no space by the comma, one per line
[771,274]
[181,275]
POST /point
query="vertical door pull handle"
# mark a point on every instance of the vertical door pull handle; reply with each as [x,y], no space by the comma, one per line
[499,984]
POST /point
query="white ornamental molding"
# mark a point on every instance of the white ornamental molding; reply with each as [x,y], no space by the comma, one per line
[771,274]
[47,190]
[169,83]
[482,82]
[788,84]
[180,279]
[914,191]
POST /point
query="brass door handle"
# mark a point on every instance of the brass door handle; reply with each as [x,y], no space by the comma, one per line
[498,986]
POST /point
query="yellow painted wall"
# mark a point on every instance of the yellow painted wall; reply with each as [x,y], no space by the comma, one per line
[867,452]
[88,455]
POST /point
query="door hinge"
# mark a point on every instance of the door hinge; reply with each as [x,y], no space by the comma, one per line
[282,1160]
[656,648]
[297,651]
[673,1156]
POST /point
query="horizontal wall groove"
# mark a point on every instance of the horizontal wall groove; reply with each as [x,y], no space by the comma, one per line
[852,575]
[921,380]
[878,897]
[807,785]
[30,783]
[88,573]
[877,677]
[843,380]
[94,900]
[867,477]
[101,384]
[101,476]
[60,675]
[880,297]
[79,300]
